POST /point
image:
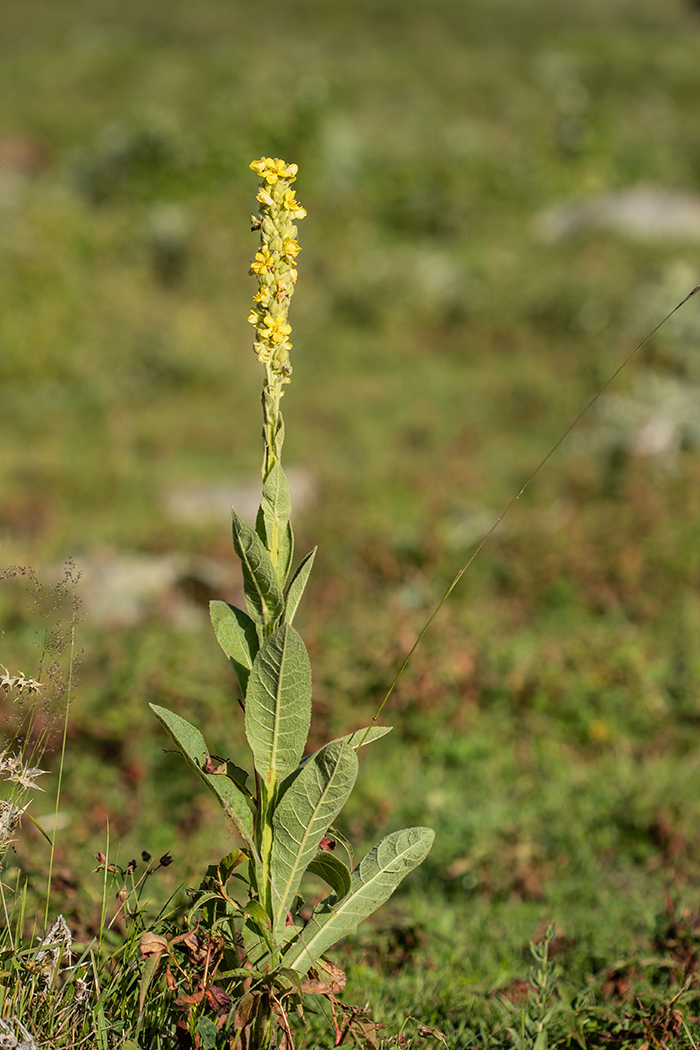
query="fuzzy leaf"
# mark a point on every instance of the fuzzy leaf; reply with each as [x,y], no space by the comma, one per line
[236,634]
[191,743]
[359,738]
[298,585]
[286,554]
[263,593]
[273,520]
[365,736]
[332,870]
[304,815]
[278,705]
[370,886]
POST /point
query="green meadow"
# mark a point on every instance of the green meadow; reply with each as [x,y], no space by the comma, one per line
[451,319]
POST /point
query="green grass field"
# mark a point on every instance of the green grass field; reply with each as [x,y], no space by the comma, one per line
[548,727]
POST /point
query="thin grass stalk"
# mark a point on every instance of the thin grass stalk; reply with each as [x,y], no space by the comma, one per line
[64,738]
[458,576]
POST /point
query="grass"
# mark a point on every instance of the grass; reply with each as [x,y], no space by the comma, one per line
[547,727]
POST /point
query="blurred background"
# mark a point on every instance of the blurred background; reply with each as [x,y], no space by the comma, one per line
[503,199]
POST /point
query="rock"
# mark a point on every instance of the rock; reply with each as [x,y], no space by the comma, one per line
[197,503]
[641,212]
[121,588]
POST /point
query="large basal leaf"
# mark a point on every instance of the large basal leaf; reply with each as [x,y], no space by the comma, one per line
[275,510]
[278,705]
[371,884]
[304,815]
[297,586]
[263,592]
[191,743]
[236,634]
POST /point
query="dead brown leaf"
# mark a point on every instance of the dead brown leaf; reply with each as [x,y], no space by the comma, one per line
[153,944]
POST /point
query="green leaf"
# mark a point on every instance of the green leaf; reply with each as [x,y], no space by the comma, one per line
[365,736]
[148,972]
[191,743]
[257,941]
[286,554]
[302,818]
[230,862]
[273,521]
[239,777]
[291,979]
[298,585]
[332,870]
[236,634]
[278,705]
[39,828]
[208,1031]
[263,592]
[345,843]
[238,971]
[356,740]
[370,886]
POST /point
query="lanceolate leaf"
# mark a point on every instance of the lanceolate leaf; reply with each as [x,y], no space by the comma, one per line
[356,739]
[191,743]
[333,871]
[297,586]
[236,634]
[278,705]
[370,886]
[365,736]
[275,509]
[304,815]
[263,591]
[286,554]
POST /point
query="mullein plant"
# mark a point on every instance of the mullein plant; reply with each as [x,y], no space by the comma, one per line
[285,816]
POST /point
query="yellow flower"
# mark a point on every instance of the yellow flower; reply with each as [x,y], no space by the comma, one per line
[290,203]
[272,169]
[291,249]
[276,329]
[264,260]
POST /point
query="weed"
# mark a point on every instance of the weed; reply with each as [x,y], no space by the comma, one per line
[285,820]
[530,1030]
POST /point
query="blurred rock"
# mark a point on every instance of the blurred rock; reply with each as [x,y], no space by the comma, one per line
[121,588]
[660,417]
[197,503]
[169,238]
[641,212]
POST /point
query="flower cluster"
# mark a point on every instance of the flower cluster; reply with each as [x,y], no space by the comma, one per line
[13,768]
[18,682]
[274,266]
